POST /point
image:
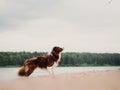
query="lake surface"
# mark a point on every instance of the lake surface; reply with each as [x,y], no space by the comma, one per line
[11,73]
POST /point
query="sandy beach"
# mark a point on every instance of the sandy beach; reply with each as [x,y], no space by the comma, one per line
[94,80]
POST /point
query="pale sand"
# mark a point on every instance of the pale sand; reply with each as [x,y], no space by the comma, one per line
[95,80]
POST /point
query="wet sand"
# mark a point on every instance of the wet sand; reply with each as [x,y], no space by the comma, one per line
[94,80]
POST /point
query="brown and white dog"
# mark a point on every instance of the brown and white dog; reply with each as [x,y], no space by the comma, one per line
[48,62]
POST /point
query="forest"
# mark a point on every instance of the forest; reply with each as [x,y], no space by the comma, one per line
[67,59]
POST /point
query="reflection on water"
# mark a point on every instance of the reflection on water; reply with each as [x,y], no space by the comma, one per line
[11,73]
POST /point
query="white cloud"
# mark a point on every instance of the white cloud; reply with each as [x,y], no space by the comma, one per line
[77,25]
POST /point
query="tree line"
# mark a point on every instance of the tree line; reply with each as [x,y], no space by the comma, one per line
[67,59]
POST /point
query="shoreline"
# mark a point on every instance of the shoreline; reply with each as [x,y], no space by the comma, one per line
[11,73]
[92,80]
[10,66]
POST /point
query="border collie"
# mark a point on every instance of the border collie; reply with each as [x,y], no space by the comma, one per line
[47,61]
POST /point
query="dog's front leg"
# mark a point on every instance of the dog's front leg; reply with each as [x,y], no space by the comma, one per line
[51,71]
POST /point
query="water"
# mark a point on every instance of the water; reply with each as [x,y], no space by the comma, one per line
[11,73]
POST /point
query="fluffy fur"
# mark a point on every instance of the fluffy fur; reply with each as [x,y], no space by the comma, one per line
[43,62]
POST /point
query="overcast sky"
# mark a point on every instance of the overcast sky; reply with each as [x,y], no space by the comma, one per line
[76,25]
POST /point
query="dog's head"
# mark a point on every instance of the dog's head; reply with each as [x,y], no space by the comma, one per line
[57,49]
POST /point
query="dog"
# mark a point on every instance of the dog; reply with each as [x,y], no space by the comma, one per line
[47,61]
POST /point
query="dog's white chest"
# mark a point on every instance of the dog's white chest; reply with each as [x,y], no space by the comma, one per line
[56,63]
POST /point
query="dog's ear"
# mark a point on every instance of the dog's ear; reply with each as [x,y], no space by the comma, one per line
[38,57]
[54,48]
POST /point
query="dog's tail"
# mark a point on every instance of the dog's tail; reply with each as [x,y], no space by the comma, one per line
[21,71]
[26,70]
